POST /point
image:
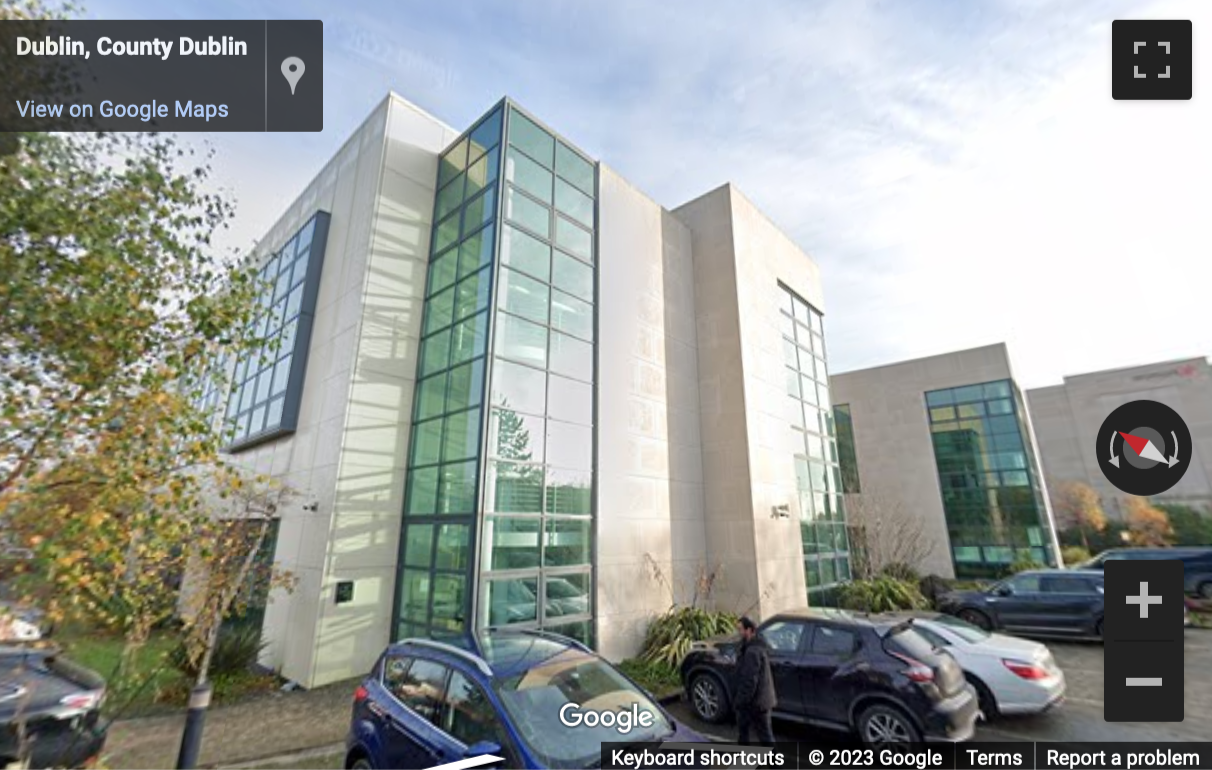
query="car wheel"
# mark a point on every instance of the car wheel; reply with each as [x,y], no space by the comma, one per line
[976,618]
[879,725]
[708,698]
[984,697]
[362,762]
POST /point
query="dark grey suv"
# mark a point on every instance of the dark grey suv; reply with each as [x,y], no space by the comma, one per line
[1052,602]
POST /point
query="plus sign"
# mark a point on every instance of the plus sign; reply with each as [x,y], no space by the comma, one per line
[1144,600]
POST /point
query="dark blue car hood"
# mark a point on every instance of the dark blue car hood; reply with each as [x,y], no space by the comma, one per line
[683,734]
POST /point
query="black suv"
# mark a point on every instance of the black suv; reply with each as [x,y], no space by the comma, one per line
[847,671]
[59,703]
[1197,564]
[1045,602]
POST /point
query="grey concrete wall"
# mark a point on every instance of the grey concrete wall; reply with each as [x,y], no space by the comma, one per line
[739,259]
[347,455]
[650,475]
[1067,418]
[894,451]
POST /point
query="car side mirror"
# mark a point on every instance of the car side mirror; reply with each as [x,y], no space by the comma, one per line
[1004,591]
[483,749]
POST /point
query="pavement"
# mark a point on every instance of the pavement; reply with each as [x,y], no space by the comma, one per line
[1080,718]
[306,729]
[282,724]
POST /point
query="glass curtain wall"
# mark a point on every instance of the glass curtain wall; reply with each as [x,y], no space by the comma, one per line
[537,544]
[499,506]
[818,476]
[441,498]
[991,491]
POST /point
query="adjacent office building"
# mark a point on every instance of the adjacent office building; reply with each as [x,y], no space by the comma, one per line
[511,388]
[1068,417]
[940,450]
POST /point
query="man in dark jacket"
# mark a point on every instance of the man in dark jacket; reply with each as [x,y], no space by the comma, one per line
[754,696]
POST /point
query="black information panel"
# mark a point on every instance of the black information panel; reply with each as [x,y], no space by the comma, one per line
[1143,641]
[162,76]
[946,756]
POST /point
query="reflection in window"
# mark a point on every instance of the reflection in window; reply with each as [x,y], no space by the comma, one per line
[992,507]
[261,401]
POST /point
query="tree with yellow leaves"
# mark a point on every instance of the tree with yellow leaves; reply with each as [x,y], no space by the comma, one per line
[1147,526]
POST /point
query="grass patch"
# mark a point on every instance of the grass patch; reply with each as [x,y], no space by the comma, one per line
[154,686]
[658,678]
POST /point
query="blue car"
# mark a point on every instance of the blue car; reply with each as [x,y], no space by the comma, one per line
[522,695]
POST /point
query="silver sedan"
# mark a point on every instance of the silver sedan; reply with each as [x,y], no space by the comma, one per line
[1011,675]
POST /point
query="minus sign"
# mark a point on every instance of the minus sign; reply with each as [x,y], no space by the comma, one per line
[1141,681]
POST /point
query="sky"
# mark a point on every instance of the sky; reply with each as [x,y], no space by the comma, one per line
[959,171]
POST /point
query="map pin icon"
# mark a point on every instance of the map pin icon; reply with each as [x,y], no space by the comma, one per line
[292,70]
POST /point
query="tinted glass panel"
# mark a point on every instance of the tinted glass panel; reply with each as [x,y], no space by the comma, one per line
[784,637]
[570,446]
[575,169]
[528,213]
[479,212]
[512,601]
[514,436]
[574,238]
[452,550]
[567,595]
[571,315]
[574,203]
[518,387]
[524,296]
[468,338]
[475,252]
[525,252]
[427,442]
[466,385]
[570,400]
[470,716]
[568,491]
[515,487]
[572,275]
[421,690]
[521,340]
[528,175]
[534,141]
[834,642]
[511,542]
[571,357]
[487,134]
[567,544]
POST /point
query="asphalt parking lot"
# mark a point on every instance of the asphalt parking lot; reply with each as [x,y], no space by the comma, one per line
[1080,718]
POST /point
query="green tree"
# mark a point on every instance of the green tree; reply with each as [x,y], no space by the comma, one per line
[1190,526]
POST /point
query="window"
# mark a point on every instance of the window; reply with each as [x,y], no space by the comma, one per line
[528,213]
[422,689]
[530,139]
[1057,584]
[469,715]
[784,637]
[934,638]
[834,642]
[395,674]
[1024,584]
[266,384]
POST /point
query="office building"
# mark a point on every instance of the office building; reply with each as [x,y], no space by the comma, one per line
[1067,419]
[513,389]
[940,450]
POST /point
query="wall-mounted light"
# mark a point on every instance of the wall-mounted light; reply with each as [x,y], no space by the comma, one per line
[780,511]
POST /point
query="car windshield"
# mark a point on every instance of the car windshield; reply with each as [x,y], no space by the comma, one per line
[962,629]
[534,699]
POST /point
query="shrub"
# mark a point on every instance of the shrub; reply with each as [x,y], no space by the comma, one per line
[900,570]
[881,594]
[236,651]
[670,635]
[657,677]
[1074,554]
[933,586]
[1022,565]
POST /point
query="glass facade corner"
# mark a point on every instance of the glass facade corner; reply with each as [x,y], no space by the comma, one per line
[992,496]
[810,417]
[499,506]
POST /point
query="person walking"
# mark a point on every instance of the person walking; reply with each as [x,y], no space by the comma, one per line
[755,697]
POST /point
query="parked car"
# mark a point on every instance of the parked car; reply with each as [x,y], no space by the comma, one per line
[874,676]
[60,704]
[498,692]
[1197,564]
[22,623]
[1049,602]
[1011,675]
